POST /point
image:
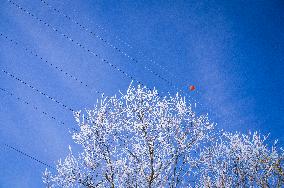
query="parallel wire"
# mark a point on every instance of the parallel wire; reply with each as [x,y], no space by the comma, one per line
[42,93]
[32,87]
[43,112]
[34,107]
[77,43]
[111,45]
[29,156]
[51,64]
[119,50]
[80,45]
[83,47]
[92,33]
[96,55]
[45,61]
[37,90]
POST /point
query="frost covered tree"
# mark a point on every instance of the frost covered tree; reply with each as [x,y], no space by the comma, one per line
[239,160]
[138,139]
[141,139]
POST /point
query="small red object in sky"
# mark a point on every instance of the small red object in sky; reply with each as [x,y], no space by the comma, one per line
[192,88]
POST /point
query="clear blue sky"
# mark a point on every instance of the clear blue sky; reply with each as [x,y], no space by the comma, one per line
[232,51]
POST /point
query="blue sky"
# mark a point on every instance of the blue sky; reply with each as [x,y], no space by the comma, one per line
[232,51]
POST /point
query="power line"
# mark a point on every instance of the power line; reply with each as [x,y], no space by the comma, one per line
[92,33]
[43,112]
[42,93]
[37,90]
[45,61]
[50,64]
[34,107]
[25,154]
[96,55]
[107,42]
[78,44]
[29,156]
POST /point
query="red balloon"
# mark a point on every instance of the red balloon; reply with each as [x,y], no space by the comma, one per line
[192,88]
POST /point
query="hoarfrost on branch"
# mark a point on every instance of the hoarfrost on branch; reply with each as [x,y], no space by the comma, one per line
[141,139]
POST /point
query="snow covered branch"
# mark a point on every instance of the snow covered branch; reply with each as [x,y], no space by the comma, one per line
[141,139]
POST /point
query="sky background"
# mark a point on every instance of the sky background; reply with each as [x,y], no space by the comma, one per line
[232,51]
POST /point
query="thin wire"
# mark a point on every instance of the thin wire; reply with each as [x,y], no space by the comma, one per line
[96,55]
[61,70]
[92,33]
[119,50]
[19,151]
[78,44]
[50,64]
[45,61]
[43,112]
[29,156]
[110,44]
[37,90]
[34,107]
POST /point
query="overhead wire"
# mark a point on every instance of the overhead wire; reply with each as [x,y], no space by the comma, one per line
[43,112]
[28,155]
[97,55]
[13,41]
[38,91]
[78,44]
[109,43]
[28,103]
[50,64]
[102,59]
[83,47]
[32,87]
[53,99]
[92,33]
[36,108]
